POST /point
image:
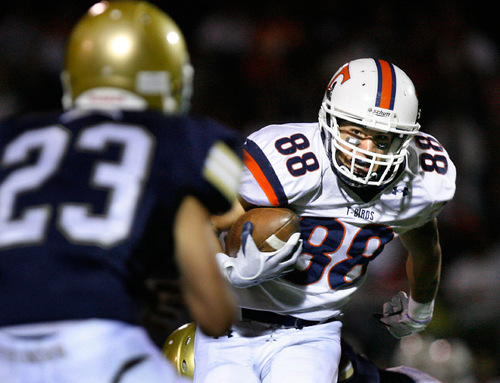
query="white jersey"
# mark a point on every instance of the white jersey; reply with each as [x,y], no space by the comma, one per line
[287,165]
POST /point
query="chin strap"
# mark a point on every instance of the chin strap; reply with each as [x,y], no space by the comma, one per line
[327,143]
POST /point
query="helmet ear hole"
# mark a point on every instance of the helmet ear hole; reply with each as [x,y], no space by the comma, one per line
[179,349]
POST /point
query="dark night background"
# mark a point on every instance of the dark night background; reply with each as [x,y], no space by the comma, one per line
[264,62]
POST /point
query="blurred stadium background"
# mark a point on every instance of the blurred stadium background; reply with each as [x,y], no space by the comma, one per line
[264,62]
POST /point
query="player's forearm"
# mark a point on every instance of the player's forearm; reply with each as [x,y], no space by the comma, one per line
[212,307]
[423,266]
[424,275]
[208,298]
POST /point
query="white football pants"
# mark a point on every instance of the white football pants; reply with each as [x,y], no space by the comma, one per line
[83,351]
[255,353]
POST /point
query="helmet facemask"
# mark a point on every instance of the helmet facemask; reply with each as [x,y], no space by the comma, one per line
[359,167]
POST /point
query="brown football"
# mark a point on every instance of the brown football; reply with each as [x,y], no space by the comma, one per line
[272,226]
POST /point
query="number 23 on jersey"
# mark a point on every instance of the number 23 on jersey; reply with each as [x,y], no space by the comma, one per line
[77,221]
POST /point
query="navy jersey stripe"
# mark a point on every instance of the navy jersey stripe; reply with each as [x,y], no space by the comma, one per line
[393,93]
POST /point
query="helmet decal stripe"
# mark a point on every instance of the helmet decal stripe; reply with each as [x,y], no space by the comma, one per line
[345,76]
[261,169]
[386,90]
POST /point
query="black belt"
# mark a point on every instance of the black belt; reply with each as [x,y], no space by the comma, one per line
[283,320]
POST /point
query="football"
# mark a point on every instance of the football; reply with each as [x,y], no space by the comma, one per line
[272,227]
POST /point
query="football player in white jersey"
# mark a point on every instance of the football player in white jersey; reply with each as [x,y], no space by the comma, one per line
[360,177]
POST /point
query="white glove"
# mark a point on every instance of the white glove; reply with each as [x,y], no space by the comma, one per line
[252,266]
[403,316]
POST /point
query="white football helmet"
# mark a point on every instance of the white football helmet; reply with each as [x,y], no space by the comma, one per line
[379,96]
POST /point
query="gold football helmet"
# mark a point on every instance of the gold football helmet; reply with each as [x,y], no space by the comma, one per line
[179,349]
[127,55]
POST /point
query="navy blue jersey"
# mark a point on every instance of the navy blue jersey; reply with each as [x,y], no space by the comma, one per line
[87,204]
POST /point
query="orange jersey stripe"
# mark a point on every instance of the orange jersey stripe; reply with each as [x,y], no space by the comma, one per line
[256,171]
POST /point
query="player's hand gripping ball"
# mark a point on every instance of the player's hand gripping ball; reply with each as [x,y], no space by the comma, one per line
[263,244]
[272,228]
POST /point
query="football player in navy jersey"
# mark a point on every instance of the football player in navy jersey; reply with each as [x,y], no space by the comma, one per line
[116,189]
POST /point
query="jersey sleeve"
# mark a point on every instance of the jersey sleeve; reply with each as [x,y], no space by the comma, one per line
[219,165]
[280,165]
[260,184]
[222,170]
[431,163]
